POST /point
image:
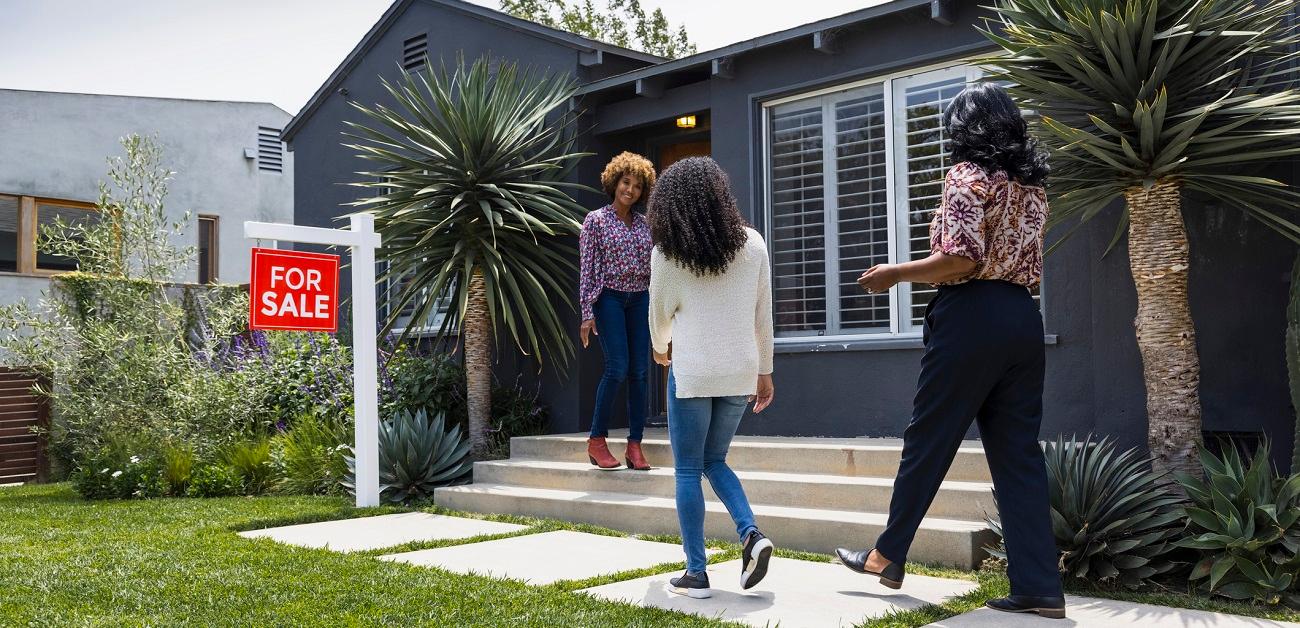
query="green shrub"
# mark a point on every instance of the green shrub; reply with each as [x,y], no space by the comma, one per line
[1245,522]
[214,480]
[308,458]
[1114,519]
[251,460]
[416,455]
[115,473]
[178,463]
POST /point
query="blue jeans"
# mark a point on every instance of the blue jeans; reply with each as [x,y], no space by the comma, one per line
[701,429]
[623,330]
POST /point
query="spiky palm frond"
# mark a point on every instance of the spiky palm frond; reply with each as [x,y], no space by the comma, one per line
[470,169]
[1130,92]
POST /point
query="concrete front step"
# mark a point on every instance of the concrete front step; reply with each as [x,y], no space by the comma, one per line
[938,541]
[956,500]
[857,457]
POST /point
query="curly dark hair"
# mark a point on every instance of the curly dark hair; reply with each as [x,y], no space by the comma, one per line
[693,216]
[987,130]
[626,163]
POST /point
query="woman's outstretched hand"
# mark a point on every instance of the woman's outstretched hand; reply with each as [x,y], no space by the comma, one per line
[588,327]
[762,398]
[880,278]
[662,359]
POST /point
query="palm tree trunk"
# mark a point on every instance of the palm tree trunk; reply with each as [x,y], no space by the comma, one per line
[1293,357]
[1159,260]
[478,364]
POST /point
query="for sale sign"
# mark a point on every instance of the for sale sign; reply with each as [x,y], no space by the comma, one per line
[294,290]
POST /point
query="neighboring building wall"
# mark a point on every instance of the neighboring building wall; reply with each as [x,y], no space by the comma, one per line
[56,145]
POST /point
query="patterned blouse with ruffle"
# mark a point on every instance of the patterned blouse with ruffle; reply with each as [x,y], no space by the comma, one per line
[614,256]
[993,220]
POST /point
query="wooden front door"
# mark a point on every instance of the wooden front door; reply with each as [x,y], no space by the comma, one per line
[665,156]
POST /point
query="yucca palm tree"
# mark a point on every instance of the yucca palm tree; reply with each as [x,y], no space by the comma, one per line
[471,202]
[1147,100]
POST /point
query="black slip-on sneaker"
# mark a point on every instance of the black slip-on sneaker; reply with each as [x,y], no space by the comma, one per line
[758,551]
[1050,607]
[694,585]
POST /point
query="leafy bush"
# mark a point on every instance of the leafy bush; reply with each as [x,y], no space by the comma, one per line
[177,465]
[416,456]
[308,458]
[299,373]
[214,480]
[1114,519]
[1245,522]
[251,460]
[122,469]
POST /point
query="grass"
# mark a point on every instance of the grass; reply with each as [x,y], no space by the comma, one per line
[177,562]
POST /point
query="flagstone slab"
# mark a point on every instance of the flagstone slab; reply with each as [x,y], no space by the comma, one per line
[548,557]
[1085,612]
[367,533]
[795,593]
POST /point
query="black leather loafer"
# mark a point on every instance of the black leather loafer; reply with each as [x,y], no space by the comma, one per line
[1049,607]
[891,576]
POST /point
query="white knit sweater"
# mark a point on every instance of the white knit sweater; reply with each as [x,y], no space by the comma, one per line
[720,325]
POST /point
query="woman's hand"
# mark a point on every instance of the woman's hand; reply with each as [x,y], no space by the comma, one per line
[588,327]
[662,359]
[880,278]
[762,398]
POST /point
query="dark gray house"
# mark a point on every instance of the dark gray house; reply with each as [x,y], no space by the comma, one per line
[831,134]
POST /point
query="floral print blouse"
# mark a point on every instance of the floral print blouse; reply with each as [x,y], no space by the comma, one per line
[993,220]
[614,256]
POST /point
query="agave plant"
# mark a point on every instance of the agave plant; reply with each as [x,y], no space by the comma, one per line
[1114,520]
[470,198]
[1142,100]
[1245,521]
[416,455]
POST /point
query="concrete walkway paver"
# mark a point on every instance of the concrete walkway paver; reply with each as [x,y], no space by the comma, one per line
[1086,612]
[366,533]
[547,557]
[795,593]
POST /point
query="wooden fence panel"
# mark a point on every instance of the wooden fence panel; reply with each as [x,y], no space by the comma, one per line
[22,451]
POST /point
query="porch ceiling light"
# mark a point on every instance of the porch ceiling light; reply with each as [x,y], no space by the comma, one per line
[686,122]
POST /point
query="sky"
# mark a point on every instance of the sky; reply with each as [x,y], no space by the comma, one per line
[276,51]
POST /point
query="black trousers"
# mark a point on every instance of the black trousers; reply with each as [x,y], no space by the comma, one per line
[983,361]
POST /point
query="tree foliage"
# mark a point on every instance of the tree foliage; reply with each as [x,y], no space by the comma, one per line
[622,23]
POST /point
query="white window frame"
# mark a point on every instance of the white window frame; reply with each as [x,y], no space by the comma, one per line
[901,325]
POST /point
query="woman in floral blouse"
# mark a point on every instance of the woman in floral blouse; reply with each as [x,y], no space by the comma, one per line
[983,356]
[615,245]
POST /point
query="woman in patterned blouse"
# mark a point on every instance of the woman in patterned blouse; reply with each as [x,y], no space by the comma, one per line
[615,278]
[983,356]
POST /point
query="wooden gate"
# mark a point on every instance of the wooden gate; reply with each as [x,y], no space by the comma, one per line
[22,452]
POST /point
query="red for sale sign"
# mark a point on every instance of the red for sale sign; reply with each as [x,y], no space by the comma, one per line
[294,290]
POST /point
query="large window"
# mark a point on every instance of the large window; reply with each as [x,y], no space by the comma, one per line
[854,175]
[22,219]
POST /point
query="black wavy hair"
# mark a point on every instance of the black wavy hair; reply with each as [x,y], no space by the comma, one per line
[987,129]
[693,216]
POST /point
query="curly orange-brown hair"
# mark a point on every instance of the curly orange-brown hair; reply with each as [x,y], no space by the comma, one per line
[624,164]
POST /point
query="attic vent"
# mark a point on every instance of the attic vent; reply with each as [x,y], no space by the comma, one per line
[270,151]
[414,51]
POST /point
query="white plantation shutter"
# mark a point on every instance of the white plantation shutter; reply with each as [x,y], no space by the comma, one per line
[862,207]
[921,159]
[798,220]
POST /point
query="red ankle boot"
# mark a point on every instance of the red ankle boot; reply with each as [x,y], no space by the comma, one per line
[635,458]
[598,453]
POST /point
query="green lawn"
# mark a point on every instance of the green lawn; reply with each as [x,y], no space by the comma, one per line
[67,561]
[174,562]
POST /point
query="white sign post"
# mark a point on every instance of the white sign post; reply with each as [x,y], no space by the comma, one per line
[362,240]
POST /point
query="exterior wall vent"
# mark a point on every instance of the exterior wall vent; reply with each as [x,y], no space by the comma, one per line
[270,150]
[414,50]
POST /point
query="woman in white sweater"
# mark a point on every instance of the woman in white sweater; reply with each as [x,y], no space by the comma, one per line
[710,297]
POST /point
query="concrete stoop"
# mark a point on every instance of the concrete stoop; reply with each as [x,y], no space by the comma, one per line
[810,494]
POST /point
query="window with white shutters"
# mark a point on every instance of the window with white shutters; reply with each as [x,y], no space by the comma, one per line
[854,175]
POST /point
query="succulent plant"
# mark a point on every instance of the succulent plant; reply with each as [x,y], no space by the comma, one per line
[416,455]
[1114,520]
[1245,521]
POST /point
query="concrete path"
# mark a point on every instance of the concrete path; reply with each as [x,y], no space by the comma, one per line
[548,557]
[795,593]
[366,533]
[1085,612]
